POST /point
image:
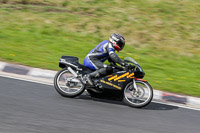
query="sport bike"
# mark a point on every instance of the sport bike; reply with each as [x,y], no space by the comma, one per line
[124,84]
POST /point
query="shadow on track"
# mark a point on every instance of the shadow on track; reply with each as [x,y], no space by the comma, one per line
[159,106]
[151,106]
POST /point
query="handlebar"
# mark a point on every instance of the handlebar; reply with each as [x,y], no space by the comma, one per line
[118,67]
[126,68]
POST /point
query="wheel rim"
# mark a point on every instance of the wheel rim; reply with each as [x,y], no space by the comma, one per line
[69,84]
[139,98]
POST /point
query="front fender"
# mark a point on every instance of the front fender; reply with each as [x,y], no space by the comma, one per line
[140,79]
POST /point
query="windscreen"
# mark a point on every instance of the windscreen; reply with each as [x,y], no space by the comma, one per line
[131,60]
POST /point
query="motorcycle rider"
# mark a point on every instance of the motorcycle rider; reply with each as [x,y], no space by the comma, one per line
[102,52]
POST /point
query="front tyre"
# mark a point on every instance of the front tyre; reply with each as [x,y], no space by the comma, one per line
[67,85]
[140,98]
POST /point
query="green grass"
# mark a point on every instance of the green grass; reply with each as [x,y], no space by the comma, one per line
[163,36]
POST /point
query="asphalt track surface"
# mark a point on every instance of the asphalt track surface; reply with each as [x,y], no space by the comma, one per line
[27,107]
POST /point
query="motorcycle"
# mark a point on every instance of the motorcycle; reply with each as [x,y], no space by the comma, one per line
[124,84]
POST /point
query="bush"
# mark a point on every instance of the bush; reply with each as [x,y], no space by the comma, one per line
[4,1]
[66,3]
[25,1]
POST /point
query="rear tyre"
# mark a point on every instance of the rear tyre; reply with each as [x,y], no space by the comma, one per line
[67,85]
[138,99]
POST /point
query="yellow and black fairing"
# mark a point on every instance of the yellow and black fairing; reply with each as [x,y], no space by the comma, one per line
[117,81]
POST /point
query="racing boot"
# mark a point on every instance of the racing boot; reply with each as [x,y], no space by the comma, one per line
[96,74]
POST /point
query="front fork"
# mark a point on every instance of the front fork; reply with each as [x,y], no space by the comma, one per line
[135,88]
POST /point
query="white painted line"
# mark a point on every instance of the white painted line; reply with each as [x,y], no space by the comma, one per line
[36,72]
[157,94]
[193,100]
[177,105]
[2,65]
[23,79]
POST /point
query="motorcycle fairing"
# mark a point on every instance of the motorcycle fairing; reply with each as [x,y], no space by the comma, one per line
[117,80]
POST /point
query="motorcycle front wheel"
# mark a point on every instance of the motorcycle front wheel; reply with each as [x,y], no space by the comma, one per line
[140,98]
[67,85]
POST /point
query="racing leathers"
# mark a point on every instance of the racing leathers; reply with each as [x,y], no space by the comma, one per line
[96,57]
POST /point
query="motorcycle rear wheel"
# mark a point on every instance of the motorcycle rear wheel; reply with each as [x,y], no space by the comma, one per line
[138,99]
[67,85]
